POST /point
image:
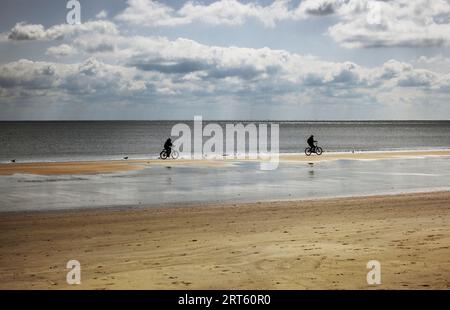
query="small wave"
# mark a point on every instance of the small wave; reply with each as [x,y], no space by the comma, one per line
[51,180]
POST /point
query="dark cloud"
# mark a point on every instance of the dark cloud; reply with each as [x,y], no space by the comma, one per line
[178,67]
[322,9]
[245,73]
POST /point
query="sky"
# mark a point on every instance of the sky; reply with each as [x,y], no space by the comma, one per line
[225,60]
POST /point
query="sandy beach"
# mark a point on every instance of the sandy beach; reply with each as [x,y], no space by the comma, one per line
[322,244]
[224,145]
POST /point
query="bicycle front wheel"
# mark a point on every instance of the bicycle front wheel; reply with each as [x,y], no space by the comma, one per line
[319,150]
[175,154]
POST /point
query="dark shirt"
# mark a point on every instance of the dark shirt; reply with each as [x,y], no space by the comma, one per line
[168,144]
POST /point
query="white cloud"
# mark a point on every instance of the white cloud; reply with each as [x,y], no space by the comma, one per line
[370,23]
[224,12]
[157,65]
[357,23]
[90,77]
[29,74]
[22,31]
[205,63]
[149,13]
[232,12]
[62,50]
[95,43]
[438,63]
[417,78]
[102,14]
[360,23]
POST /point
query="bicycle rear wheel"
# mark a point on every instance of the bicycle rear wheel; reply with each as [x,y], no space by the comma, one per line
[308,151]
[163,154]
[319,150]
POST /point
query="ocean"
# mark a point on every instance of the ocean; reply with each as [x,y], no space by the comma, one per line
[89,140]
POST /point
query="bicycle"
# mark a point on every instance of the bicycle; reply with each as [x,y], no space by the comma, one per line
[317,149]
[174,154]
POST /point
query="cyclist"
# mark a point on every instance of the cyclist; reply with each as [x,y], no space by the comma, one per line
[311,142]
[168,147]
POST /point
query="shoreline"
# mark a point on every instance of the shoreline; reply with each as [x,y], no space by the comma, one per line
[212,204]
[308,244]
[109,166]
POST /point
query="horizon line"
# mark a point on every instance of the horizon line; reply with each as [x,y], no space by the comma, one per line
[226,120]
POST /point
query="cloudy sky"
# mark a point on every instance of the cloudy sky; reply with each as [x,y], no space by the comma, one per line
[229,59]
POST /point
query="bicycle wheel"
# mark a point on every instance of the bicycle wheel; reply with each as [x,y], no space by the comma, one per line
[163,154]
[175,154]
[319,150]
[308,151]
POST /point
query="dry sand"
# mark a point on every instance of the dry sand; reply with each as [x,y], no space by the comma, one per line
[105,166]
[323,244]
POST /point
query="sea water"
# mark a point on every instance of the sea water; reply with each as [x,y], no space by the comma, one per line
[86,140]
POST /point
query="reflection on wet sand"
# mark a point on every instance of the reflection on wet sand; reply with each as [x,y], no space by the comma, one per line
[183,181]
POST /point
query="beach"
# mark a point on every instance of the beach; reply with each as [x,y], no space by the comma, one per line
[240,145]
[392,207]
[320,244]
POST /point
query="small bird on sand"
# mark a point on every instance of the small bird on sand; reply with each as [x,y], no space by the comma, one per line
[126,157]
[13,160]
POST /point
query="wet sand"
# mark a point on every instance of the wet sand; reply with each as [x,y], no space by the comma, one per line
[365,155]
[95,167]
[106,166]
[322,244]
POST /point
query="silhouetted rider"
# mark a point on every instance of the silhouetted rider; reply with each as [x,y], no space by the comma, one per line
[168,146]
[311,142]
